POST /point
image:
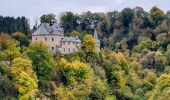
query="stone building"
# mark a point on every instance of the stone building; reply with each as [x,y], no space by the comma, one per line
[54,37]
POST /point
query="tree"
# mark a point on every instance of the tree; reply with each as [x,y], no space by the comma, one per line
[25,80]
[89,44]
[154,60]
[4,39]
[11,52]
[75,33]
[43,63]
[156,14]
[21,38]
[48,18]
[10,25]
[127,15]
[89,48]
[161,91]
[74,80]
[69,21]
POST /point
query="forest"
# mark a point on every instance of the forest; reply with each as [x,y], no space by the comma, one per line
[133,63]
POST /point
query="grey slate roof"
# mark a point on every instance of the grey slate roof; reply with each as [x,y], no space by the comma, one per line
[95,36]
[45,29]
[70,39]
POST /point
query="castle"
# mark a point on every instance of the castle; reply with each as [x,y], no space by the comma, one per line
[54,37]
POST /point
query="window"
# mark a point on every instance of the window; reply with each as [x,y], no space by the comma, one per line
[63,43]
[73,43]
[68,43]
[52,48]
[73,49]
[45,39]
[36,39]
[64,50]
[68,49]
[52,39]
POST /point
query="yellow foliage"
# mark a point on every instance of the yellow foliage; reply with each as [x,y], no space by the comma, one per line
[19,65]
[165,95]
[19,35]
[64,94]
[75,33]
[135,65]
[12,51]
[121,58]
[25,79]
[122,61]
[89,44]
[121,79]
[163,82]
[151,77]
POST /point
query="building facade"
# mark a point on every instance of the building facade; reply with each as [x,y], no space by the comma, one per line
[54,37]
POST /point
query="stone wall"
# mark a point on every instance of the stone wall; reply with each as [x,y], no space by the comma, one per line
[52,40]
[69,47]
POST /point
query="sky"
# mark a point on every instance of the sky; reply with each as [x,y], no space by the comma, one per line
[33,9]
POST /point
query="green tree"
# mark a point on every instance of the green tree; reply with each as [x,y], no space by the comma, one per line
[43,63]
[75,33]
[69,21]
[156,14]
[48,18]
[127,15]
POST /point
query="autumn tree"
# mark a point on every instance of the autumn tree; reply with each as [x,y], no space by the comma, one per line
[89,44]
[21,38]
[75,33]
[25,79]
[154,60]
[162,88]
[89,48]
[4,39]
[76,76]
[11,52]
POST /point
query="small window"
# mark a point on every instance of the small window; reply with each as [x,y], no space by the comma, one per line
[73,49]
[68,49]
[45,39]
[63,43]
[64,49]
[52,39]
[52,48]
[68,43]
[36,39]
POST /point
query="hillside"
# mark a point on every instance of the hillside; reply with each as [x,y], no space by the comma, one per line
[133,63]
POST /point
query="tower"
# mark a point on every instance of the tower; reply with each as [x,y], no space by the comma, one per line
[97,40]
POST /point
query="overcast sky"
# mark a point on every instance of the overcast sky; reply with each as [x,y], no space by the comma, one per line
[35,8]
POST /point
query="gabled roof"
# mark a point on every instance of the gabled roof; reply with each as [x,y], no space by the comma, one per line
[41,30]
[45,29]
[95,36]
